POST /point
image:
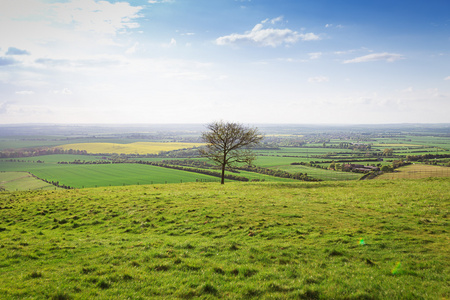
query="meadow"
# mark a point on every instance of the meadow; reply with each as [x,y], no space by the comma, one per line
[325,240]
[416,171]
[22,181]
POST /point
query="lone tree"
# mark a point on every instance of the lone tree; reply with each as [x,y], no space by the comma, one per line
[228,144]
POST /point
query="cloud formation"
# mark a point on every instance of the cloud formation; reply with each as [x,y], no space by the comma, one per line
[6,61]
[261,36]
[25,93]
[315,55]
[100,17]
[15,51]
[159,1]
[389,57]
[318,79]
[37,23]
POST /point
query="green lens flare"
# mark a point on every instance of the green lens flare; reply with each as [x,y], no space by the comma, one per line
[396,269]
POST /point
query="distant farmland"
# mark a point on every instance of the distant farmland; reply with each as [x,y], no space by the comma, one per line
[417,171]
[22,181]
[81,176]
[132,148]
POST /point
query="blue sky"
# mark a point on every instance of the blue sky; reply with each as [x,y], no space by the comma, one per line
[196,61]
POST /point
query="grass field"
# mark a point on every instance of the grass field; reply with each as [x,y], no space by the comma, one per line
[322,174]
[22,181]
[80,176]
[417,171]
[132,148]
[346,240]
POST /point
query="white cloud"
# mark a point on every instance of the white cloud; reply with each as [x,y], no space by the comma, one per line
[40,27]
[100,17]
[332,25]
[132,49]
[25,93]
[315,55]
[172,43]
[408,90]
[389,57]
[64,91]
[318,79]
[4,107]
[267,36]
[274,20]
[159,1]
[447,78]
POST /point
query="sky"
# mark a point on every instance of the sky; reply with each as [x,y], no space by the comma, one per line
[247,61]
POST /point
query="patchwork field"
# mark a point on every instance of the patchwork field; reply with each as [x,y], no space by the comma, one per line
[132,148]
[346,240]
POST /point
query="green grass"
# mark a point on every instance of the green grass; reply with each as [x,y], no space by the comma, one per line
[321,173]
[346,240]
[22,181]
[416,171]
[80,176]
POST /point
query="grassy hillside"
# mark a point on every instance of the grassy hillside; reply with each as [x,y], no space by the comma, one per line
[346,240]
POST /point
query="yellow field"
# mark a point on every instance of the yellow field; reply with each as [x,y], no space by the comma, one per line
[133,148]
[417,171]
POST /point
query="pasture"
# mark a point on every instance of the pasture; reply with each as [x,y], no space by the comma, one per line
[22,181]
[327,240]
[416,171]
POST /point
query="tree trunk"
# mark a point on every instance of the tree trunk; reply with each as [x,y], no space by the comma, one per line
[223,174]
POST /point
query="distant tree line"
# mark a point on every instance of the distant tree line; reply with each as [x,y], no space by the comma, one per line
[80,162]
[55,183]
[30,152]
[421,158]
[278,173]
[254,169]
[18,160]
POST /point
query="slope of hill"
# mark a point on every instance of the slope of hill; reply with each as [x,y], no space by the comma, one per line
[342,240]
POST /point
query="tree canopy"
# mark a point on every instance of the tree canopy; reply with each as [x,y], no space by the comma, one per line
[228,144]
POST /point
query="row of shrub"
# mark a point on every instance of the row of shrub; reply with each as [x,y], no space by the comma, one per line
[278,173]
[55,183]
[195,170]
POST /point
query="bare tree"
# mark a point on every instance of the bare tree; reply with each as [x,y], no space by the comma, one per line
[228,144]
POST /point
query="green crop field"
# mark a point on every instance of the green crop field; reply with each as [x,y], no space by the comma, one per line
[80,176]
[22,181]
[326,240]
